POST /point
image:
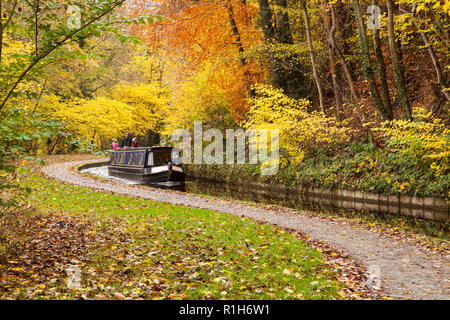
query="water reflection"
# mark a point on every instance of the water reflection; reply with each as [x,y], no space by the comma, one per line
[103,173]
[245,193]
[313,200]
[290,199]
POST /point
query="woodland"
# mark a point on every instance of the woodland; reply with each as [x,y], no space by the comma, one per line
[359,91]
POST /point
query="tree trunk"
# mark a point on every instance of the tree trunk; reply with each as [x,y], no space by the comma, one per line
[437,66]
[398,72]
[334,76]
[340,56]
[367,63]
[269,35]
[330,28]
[311,55]
[50,151]
[381,66]
[291,71]
[236,33]
[242,58]
[1,30]
[286,72]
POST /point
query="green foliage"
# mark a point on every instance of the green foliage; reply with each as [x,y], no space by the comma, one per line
[34,35]
[18,131]
[412,157]
[361,165]
[51,19]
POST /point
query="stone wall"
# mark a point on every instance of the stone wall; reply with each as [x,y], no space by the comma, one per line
[420,207]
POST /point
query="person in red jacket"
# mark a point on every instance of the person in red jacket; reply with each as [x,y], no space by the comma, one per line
[134,143]
[115,145]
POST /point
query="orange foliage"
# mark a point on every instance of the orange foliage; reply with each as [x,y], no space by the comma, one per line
[195,32]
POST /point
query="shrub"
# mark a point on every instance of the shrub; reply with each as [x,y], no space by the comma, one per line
[18,130]
[303,133]
[424,142]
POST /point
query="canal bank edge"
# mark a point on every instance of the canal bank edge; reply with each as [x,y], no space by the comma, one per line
[428,208]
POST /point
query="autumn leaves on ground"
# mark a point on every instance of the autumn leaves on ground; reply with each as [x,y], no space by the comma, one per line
[361,101]
[130,248]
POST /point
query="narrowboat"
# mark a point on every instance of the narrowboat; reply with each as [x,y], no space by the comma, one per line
[147,165]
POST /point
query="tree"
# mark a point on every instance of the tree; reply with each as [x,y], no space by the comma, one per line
[34,34]
[368,69]
[331,30]
[311,54]
[431,50]
[398,70]
[269,36]
[381,68]
[43,26]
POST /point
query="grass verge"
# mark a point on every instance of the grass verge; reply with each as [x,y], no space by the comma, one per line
[123,247]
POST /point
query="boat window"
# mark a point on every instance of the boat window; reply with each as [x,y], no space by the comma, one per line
[157,159]
[161,157]
[167,156]
[150,159]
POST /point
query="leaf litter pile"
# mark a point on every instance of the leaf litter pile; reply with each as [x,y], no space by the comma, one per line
[39,250]
[81,244]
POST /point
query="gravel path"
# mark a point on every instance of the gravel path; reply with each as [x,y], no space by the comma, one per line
[403,270]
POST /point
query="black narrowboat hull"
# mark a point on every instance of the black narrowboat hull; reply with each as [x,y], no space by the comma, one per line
[139,175]
[145,165]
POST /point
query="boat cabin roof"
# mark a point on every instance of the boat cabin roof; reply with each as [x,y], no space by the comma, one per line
[144,148]
[141,157]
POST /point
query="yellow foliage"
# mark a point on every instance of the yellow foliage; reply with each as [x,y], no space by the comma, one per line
[147,102]
[14,52]
[197,98]
[144,67]
[12,47]
[425,138]
[100,117]
[301,131]
[130,108]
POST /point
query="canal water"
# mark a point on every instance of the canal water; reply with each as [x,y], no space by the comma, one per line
[239,192]
[347,200]
[102,171]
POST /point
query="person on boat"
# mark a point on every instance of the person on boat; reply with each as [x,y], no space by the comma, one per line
[126,141]
[115,145]
[134,142]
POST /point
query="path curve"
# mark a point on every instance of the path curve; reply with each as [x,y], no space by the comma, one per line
[405,271]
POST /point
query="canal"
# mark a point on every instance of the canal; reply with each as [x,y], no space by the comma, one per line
[312,199]
[227,191]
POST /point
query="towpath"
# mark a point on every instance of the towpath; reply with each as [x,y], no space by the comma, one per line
[403,269]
